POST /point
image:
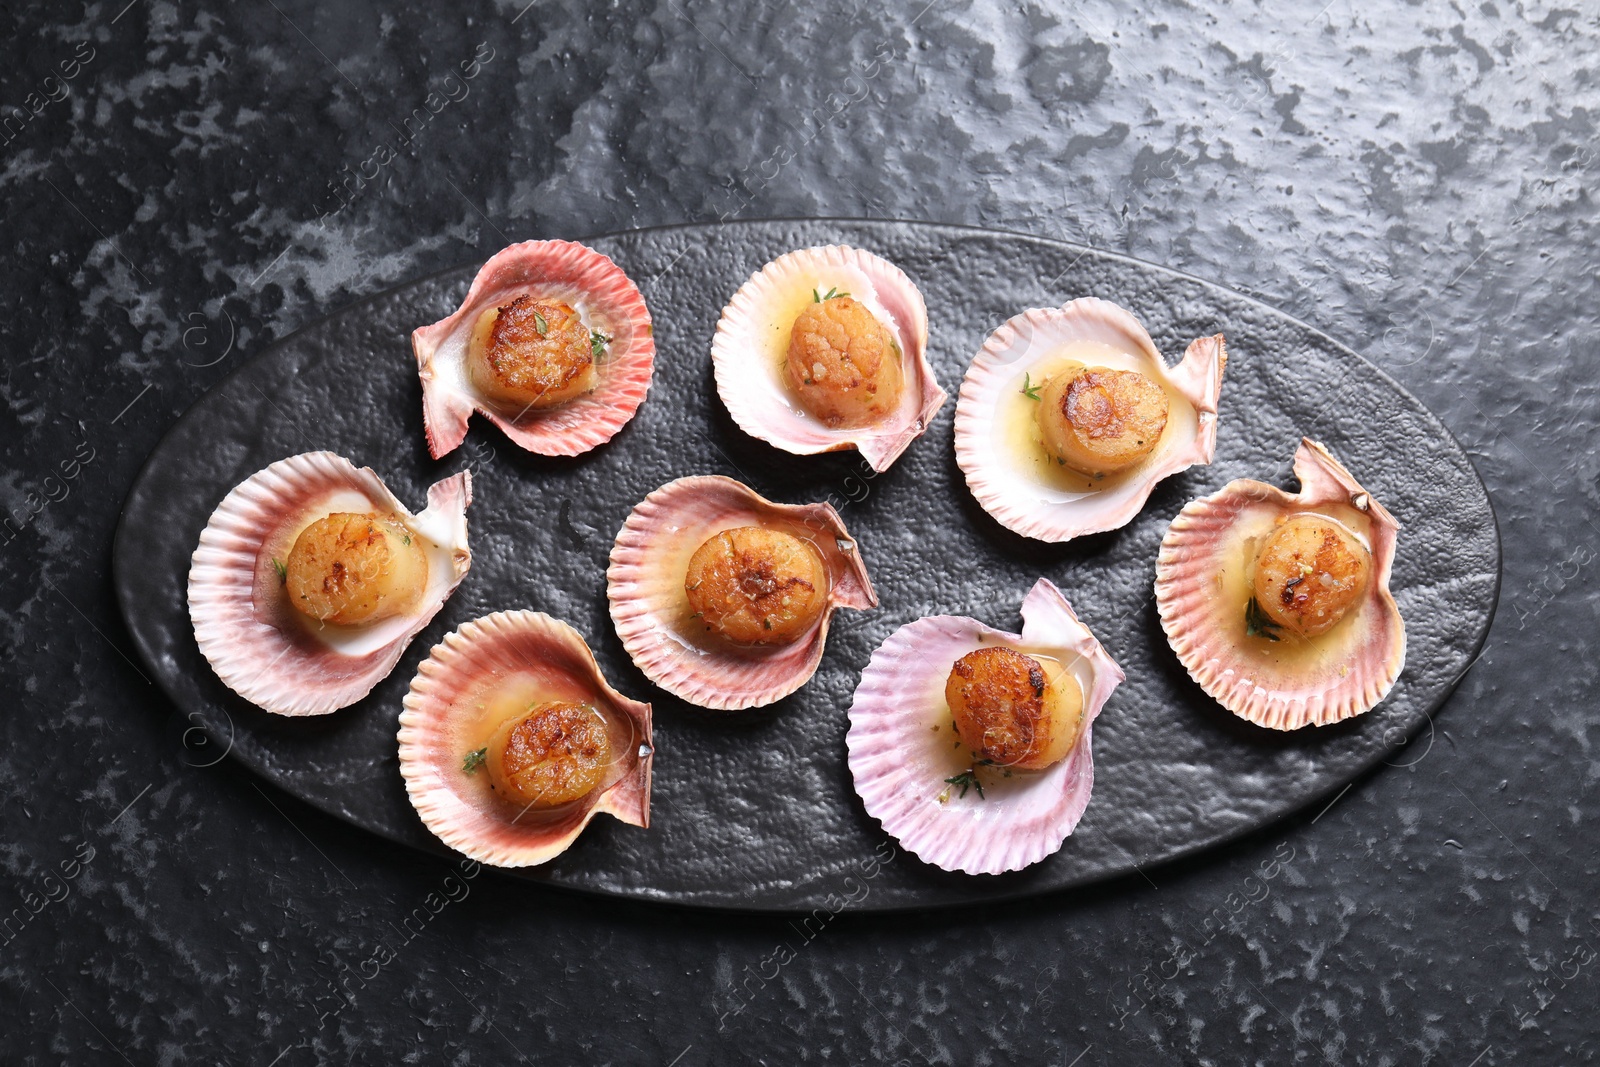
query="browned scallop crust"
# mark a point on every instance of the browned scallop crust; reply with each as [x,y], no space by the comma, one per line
[1102,420]
[756,586]
[555,754]
[352,568]
[1309,574]
[996,696]
[843,365]
[540,353]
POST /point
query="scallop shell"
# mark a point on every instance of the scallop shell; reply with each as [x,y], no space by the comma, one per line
[607,301]
[753,336]
[1019,491]
[256,642]
[436,733]
[900,762]
[644,584]
[1368,649]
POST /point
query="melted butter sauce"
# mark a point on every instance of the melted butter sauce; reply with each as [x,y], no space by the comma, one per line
[1292,659]
[1016,424]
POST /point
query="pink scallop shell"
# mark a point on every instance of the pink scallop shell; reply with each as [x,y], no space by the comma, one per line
[900,764]
[752,388]
[254,641]
[644,584]
[609,302]
[1206,640]
[1014,499]
[458,807]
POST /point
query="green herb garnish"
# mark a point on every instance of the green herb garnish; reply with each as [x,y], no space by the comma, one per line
[829,295]
[597,343]
[1029,389]
[967,779]
[406,538]
[283,572]
[474,760]
[539,324]
[1257,624]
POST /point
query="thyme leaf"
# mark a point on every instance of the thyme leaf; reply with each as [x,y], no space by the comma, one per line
[1030,389]
[1257,623]
[283,572]
[967,779]
[539,324]
[597,344]
[829,295]
[474,760]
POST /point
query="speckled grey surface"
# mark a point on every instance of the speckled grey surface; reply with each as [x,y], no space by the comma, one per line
[756,811]
[1415,180]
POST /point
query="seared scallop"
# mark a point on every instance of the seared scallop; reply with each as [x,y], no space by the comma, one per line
[1012,709]
[753,585]
[356,568]
[555,753]
[540,354]
[843,365]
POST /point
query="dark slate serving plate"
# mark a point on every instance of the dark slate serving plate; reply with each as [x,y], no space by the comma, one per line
[755,810]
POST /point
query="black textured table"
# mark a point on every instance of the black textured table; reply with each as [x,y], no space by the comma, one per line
[183,187]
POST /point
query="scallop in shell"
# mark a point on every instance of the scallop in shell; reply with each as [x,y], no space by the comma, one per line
[723,598]
[311,579]
[553,344]
[511,741]
[824,349]
[1277,603]
[1007,793]
[1068,418]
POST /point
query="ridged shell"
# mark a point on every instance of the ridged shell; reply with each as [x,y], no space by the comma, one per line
[644,584]
[1011,487]
[607,300]
[1207,634]
[900,763]
[753,336]
[258,645]
[437,731]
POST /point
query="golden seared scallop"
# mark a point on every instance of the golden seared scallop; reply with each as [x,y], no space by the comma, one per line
[1012,709]
[533,352]
[756,586]
[1309,572]
[843,365]
[353,569]
[556,753]
[1099,421]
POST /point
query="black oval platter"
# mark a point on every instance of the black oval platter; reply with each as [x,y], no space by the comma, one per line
[755,810]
